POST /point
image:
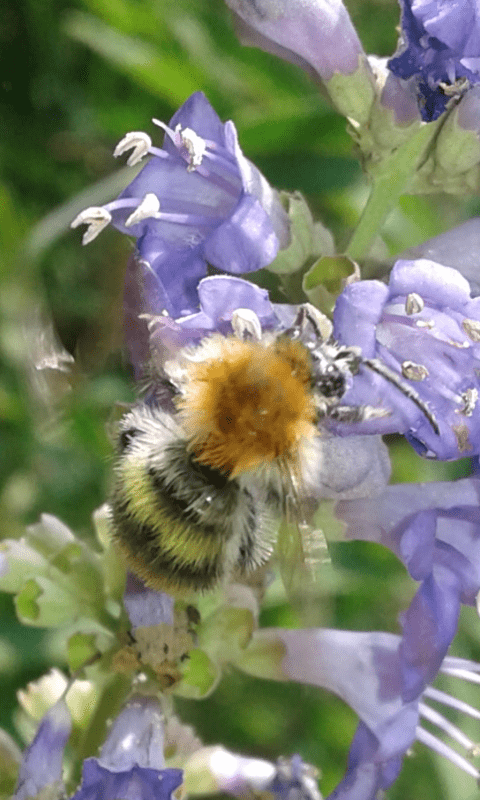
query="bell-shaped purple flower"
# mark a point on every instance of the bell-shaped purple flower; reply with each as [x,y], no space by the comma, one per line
[434,529]
[131,763]
[318,35]
[197,201]
[440,50]
[41,767]
[368,670]
[424,327]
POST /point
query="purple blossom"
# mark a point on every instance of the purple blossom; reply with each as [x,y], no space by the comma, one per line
[440,47]
[197,201]
[318,35]
[41,767]
[368,671]
[144,606]
[131,763]
[434,529]
[425,327]
[456,248]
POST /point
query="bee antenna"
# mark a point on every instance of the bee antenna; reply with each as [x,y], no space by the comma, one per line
[381,369]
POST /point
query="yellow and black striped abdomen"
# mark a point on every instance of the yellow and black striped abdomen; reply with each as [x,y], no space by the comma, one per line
[181,525]
[167,529]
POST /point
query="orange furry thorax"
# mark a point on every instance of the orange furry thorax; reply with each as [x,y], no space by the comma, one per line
[249,405]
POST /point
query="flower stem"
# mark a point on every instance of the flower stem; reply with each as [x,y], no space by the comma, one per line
[391,181]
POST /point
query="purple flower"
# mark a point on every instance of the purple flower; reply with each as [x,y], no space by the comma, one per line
[318,35]
[144,606]
[440,48]
[368,671]
[41,767]
[197,201]
[434,529]
[131,763]
[456,248]
[425,328]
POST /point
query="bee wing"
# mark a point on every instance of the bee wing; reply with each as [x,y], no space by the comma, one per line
[302,548]
[50,369]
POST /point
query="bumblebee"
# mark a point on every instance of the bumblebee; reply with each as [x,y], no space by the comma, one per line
[199,490]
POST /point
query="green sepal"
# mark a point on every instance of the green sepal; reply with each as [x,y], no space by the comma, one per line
[309,239]
[226,632]
[393,177]
[353,94]
[56,577]
[47,604]
[81,648]
[263,657]
[200,676]
[325,280]
[454,164]
[382,137]
[113,568]
[10,757]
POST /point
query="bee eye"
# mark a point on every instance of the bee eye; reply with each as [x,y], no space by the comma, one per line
[126,438]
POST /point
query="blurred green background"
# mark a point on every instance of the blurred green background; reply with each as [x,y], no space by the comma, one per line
[74,77]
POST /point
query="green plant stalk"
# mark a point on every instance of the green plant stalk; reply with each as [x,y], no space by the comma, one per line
[391,181]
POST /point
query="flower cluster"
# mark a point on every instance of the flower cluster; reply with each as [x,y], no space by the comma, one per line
[440,50]
[399,356]
[198,200]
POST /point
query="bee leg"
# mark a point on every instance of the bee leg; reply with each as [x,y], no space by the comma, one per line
[309,315]
[381,369]
[355,414]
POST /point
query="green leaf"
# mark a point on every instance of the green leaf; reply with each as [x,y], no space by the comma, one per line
[199,676]
[158,72]
[325,280]
[81,648]
[309,172]
[307,238]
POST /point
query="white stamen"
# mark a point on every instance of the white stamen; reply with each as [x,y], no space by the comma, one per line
[153,320]
[96,217]
[444,750]
[465,664]
[171,134]
[149,207]
[138,141]
[444,724]
[246,324]
[194,144]
[464,674]
[372,412]
[414,303]
[442,697]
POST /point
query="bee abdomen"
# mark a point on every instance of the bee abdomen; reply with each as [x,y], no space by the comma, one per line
[148,552]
